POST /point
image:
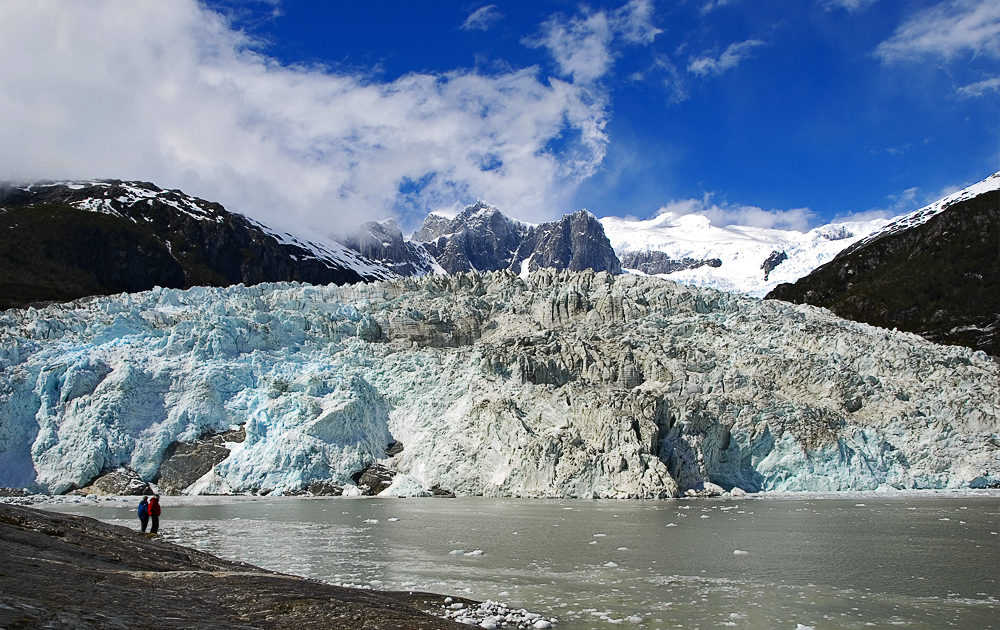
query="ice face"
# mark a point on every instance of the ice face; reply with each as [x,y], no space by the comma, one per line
[557,384]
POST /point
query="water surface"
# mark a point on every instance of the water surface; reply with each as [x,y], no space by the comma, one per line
[854,562]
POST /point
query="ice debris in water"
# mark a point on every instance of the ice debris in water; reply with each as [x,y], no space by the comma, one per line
[492,615]
[740,552]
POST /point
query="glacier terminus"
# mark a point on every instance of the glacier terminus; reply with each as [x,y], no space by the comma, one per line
[552,384]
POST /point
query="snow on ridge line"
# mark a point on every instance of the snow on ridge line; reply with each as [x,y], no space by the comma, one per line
[925,214]
[328,250]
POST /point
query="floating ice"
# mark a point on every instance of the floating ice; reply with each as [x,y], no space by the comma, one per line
[611,565]
[740,552]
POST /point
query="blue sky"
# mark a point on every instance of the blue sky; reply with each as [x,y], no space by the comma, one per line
[322,114]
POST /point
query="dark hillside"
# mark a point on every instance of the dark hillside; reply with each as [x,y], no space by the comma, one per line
[64,241]
[939,279]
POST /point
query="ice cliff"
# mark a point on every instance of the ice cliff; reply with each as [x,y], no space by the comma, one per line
[558,384]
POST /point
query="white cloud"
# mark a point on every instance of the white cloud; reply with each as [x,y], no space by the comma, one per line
[584,47]
[979,88]
[948,29]
[674,81]
[851,6]
[798,219]
[168,92]
[483,18]
[731,58]
[712,5]
[902,203]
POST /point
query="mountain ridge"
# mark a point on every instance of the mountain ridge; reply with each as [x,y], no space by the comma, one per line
[65,240]
[934,272]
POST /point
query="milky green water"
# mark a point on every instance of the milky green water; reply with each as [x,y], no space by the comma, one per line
[759,563]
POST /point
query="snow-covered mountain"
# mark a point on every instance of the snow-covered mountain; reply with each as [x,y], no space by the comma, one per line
[736,255]
[557,384]
[749,260]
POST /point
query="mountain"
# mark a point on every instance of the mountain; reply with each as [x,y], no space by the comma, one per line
[934,272]
[383,242]
[568,384]
[481,238]
[64,240]
[739,259]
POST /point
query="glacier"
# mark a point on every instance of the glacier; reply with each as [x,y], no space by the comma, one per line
[557,384]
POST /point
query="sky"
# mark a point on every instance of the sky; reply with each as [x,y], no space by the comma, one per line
[316,116]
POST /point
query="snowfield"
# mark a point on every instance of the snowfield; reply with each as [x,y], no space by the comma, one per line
[743,249]
[557,384]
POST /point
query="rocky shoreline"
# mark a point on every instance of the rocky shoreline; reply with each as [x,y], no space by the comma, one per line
[62,571]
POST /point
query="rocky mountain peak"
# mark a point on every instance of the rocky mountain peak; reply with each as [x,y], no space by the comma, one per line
[482,238]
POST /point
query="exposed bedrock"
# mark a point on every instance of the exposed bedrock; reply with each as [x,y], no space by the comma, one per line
[184,463]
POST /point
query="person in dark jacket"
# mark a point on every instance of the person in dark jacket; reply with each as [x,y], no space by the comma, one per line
[154,513]
[144,513]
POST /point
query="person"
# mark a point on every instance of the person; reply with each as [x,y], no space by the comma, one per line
[154,513]
[144,513]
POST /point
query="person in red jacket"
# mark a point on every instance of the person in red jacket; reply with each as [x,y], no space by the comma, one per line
[154,513]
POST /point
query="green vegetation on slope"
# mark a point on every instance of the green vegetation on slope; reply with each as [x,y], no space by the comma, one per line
[940,280]
[58,253]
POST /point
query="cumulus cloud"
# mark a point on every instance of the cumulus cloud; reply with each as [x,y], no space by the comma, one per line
[946,30]
[169,92]
[798,219]
[585,47]
[483,18]
[730,58]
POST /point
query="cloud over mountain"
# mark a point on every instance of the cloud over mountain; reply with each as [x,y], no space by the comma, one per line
[174,93]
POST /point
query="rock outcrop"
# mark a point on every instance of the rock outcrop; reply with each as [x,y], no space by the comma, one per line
[184,463]
[773,260]
[122,481]
[62,571]
[654,262]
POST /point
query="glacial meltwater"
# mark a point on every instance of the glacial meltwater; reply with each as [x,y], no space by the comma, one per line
[857,562]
